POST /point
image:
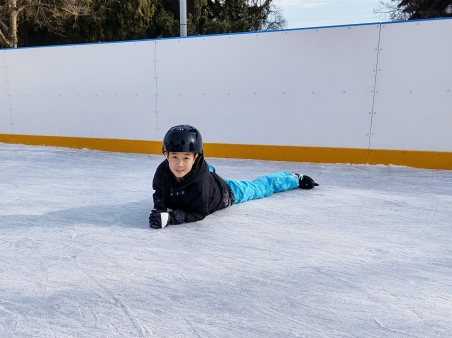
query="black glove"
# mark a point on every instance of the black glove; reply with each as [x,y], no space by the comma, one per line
[159,219]
[307,183]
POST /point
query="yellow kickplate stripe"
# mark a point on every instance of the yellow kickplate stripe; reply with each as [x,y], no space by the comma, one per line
[106,144]
[287,153]
[412,158]
[416,159]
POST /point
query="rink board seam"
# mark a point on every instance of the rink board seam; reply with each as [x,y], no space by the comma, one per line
[410,158]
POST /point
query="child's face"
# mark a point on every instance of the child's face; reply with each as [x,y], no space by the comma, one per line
[180,164]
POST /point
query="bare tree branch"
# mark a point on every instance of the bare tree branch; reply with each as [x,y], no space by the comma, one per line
[391,11]
[48,14]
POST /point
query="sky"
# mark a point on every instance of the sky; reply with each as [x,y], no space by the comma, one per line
[315,13]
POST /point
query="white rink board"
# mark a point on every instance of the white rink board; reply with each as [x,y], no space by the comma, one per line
[5,114]
[413,103]
[307,87]
[299,88]
[99,90]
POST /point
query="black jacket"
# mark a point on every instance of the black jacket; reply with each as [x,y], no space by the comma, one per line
[199,194]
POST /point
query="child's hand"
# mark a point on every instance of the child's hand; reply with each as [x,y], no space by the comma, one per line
[158,219]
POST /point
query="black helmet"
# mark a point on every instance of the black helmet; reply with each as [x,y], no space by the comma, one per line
[182,138]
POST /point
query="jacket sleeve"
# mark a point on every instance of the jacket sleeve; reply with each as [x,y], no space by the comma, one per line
[197,210]
[159,203]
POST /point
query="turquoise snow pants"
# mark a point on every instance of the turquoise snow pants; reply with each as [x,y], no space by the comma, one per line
[263,186]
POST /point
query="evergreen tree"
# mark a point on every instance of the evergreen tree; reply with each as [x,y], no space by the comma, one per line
[227,16]
[166,20]
[120,20]
[423,9]
[414,9]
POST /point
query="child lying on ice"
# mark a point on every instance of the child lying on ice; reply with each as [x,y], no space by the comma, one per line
[187,189]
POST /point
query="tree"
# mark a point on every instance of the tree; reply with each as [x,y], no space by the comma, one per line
[228,16]
[216,17]
[391,11]
[138,19]
[115,20]
[121,20]
[41,14]
[414,9]
[423,9]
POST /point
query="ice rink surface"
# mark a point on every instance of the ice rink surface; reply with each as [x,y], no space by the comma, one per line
[368,253]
